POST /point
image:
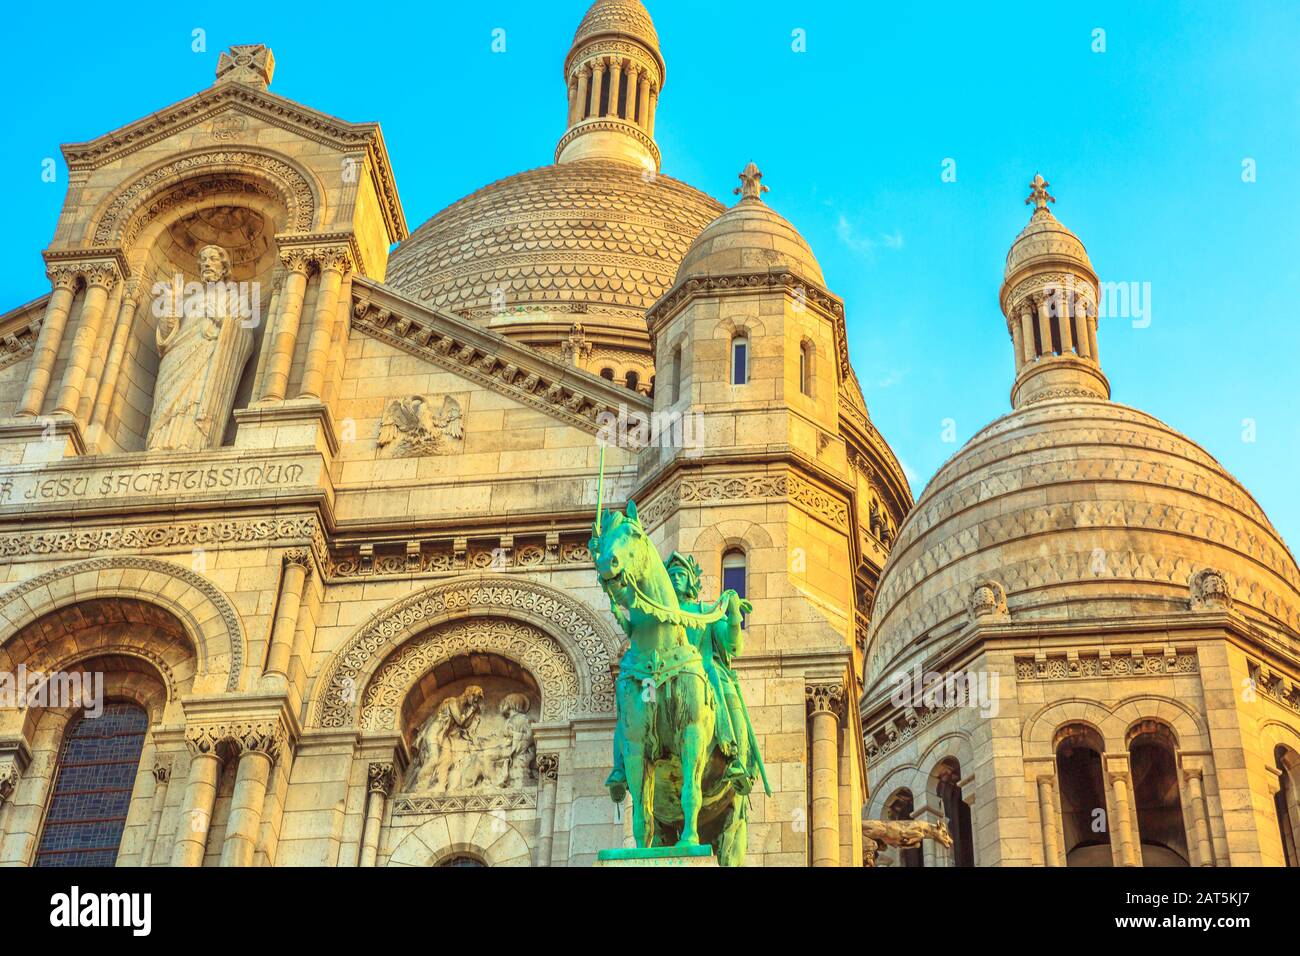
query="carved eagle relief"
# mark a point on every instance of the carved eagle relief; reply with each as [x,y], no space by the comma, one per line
[418,425]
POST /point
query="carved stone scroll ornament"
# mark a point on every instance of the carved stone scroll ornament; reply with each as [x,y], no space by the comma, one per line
[420,425]
[381,778]
[264,736]
[825,697]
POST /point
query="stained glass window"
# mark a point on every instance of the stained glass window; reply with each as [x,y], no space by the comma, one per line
[92,790]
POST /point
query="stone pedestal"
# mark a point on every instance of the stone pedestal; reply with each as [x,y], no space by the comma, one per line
[698,856]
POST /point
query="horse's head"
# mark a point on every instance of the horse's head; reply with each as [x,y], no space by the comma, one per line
[942,835]
[619,546]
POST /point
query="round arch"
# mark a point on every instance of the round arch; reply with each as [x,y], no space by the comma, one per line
[153,192]
[589,643]
[485,836]
[206,615]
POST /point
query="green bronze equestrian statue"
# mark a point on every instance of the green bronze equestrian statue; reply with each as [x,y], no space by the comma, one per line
[684,746]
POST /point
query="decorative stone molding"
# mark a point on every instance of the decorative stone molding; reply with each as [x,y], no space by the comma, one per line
[588,643]
[162,536]
[211,620]
[257,736]
[548,766]
[1276,687]
[162,770]
[464,802]
[825,698]
[1103,664]
[1210,591]
[988,603]
[164,187]
[526,644]
[1063,391]
[899,727]
[408,558]
[724,488]
[381,778]
[491,360]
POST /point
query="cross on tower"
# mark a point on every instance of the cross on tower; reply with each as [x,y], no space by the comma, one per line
[1038,194]
[751,184]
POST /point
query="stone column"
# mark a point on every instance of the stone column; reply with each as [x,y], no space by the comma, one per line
[297,568]
[643,98]
[1123,827]
[598,86]
[1044,325]
[654,101]
[285,341]
[629,97]
[48,341]
[573,99]
[1017,345]
[96,369]
[113,364]
[584,72]
[825,702]
[1063,320]
[200,796]
[162,775]
[334,263]
[1047,817]
[548,774]
[1027,332]
[1084,343]
[380,779]
[1200,837]
[259,746]
[100,279]
[1092,337]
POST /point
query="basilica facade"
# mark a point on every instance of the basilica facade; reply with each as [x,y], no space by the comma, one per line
[306,498]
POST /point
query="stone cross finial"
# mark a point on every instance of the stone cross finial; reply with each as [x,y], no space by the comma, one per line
[1038,195]
[251,64]
[751,184]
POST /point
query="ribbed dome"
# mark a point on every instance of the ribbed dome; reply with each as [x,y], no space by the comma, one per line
[585,237]
[1078,508]
[1045,239]
[750,237]
[627,17]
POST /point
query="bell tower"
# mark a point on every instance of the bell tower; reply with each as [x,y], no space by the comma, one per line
[1049,297]
[613,73]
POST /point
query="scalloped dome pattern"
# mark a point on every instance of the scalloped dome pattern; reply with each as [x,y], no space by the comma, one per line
[591,234]
[750,237]
[628,17]
[1075,506]
[1045,237]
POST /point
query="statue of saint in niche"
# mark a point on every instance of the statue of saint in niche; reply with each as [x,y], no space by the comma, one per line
[204,344]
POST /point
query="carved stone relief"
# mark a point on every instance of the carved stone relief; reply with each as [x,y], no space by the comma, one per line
[478,737]
[421,425]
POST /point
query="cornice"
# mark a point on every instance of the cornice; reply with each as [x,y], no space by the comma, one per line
[490,359]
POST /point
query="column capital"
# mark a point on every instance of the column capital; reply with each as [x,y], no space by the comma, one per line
[826,697]
[295,260]
[62,277]
[298,556]
[266,737]
[381,778]
[548,766]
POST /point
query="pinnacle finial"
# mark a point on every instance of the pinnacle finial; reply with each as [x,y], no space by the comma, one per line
[751,186]
[1038,195]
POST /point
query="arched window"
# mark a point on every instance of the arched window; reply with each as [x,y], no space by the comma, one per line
[677,374]
[607,373]
[739,359]
[1154,769]
[733,574]
[1287,801]
[1083,797]
[957,812]
[92,788]
[901,806]
[462,860]
[806,368]
[633,380]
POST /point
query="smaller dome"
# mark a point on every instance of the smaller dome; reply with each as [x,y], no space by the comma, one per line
[624,17]
[1045,239]
[747,237]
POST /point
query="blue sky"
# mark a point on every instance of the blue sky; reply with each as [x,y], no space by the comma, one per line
[1143,143]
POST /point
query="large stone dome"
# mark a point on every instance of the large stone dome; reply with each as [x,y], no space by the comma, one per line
[1079,508]
[564,243]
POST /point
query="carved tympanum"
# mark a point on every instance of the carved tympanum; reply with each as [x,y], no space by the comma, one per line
[475,741]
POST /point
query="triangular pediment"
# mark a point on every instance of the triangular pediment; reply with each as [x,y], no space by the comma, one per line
[490,360]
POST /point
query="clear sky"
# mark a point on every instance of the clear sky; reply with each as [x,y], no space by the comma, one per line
[1145,145]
